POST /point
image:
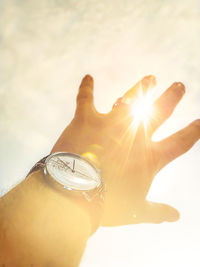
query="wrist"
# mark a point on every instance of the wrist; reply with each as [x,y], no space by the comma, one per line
[76,178]
[40,219]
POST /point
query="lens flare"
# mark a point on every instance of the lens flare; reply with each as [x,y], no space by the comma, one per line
[142,109]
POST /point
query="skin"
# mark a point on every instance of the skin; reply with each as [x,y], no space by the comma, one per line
[127,156]
[34,219]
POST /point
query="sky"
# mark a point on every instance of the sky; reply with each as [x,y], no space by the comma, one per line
[46,47]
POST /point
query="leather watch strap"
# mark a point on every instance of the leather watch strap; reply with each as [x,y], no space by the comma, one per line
[38,165]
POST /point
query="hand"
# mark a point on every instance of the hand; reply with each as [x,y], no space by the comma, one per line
[127,157]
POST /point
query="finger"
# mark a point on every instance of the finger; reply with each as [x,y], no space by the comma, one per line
[142,86]
[158,213]
[147,212]
[165,105]
[85,95]
[178,143]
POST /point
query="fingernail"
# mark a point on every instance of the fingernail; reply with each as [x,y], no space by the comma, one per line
[180,87]
[148,81]
[87,77]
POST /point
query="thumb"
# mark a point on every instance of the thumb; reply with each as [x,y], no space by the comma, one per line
[158,212]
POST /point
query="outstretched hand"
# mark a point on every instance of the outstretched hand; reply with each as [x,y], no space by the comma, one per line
[122,147]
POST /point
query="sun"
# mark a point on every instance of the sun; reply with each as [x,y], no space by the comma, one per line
[142,108]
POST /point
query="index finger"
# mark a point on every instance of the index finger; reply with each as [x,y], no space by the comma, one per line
[85,98]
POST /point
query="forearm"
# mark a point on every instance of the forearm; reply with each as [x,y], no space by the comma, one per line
[41,227]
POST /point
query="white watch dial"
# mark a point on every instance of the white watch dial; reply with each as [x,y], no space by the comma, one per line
[73,171]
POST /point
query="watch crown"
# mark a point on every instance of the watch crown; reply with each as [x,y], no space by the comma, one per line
[68,188]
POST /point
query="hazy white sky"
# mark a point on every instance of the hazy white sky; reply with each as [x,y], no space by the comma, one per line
[47,47]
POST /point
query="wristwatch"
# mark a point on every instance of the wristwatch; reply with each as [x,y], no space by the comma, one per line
[78,179]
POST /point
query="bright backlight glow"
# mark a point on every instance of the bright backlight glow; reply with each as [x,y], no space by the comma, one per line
[142,108]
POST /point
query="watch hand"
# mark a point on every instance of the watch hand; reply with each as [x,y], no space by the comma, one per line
[73,168]
[65,164]
[83,174]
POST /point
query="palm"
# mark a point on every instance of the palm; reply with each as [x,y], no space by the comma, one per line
[127,157]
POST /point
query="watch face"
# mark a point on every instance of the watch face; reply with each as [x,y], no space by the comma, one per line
[73,171]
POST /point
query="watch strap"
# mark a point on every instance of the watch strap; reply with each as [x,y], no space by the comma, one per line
[38,165]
